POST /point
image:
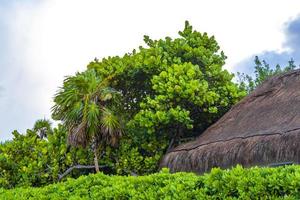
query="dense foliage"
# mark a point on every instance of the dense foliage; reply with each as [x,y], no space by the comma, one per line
[29,160]
[177,84]
[238,183]
[157,96]
[171,90]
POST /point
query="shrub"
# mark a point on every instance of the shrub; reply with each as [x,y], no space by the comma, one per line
[238,183]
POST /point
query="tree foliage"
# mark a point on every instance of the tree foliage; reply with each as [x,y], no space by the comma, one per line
[43,128]
[262,72]
[84,108]
[173,88]
[29,160]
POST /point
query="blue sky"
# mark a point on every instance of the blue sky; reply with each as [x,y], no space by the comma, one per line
[41,41]
[291,46]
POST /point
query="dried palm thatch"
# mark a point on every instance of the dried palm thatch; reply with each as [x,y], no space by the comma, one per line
[262,129]
[77,135]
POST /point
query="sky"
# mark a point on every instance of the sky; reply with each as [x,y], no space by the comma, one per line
[42,41]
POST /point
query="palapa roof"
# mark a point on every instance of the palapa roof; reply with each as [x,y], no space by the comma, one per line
[262,129]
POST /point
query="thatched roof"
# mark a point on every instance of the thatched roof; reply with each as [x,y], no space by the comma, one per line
[262,129]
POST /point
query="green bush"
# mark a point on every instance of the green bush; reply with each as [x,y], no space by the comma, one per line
[238,183]
[28,160]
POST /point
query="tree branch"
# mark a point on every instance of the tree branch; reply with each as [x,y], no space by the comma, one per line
[60,176]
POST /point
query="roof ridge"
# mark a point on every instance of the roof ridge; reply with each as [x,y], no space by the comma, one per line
[234,138]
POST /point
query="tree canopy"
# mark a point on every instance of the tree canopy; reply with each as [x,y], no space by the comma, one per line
[262,71]
[174,87]
[84,108]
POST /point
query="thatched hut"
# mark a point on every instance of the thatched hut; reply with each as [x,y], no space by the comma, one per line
[262,129]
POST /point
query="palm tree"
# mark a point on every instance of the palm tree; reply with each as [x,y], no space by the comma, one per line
[84,105]
[42,127]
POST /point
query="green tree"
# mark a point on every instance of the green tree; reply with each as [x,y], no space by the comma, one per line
[174,88]
[43,128]
[23,160]
[84,105]
[262,72]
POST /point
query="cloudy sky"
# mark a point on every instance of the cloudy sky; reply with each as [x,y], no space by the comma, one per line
[41,41]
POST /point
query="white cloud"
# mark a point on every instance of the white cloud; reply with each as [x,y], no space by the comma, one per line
[59,37]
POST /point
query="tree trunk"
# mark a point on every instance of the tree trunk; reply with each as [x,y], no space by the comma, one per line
[170,145]
[174,139]
[96,160]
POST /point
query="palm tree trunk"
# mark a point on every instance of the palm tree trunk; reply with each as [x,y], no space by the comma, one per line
[96,160]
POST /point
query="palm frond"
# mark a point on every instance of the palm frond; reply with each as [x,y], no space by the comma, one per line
[111,129]
[93,117]
[80,105]
[42,127]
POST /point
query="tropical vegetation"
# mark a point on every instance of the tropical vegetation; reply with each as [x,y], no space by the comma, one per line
[238,183]
[83,105]
[123,113]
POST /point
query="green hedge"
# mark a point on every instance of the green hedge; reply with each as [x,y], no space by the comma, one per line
[238,183]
